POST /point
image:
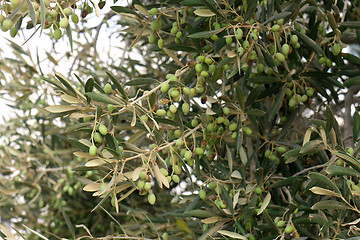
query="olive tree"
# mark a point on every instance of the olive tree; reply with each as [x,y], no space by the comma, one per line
[222,119]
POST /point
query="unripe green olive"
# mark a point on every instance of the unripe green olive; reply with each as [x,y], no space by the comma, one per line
[226,110]
[280,57]
[336,49]
[13,31]
[7,24]
[64,22]
[141,184]
[153,11]
[188,155]
[328,63]
[164,172]
[172,108]
[294,39]
[199,151]
[275,28]
[212,68]
[179,142]
[165,236]
[247,131]
[175,178]
[165,87]
[187,91]
[177,169]
[75,18]
[310,92]
[321,60]
[212,185]
[67,11]
[280,224]
[147,186]
[233,126]
[289,229]
[174,30]
[240,51]
[215,37]
[160,43]
[281,150]
[110,108]
[228,40]
[151,198]
[239,33]
[202,194]
[107,88]
[267,153]
[350,150]
[258,190]
[285,49]
[143,175]
[175,93]
[93,150]
[97,137]
[260,68]
[292,102]
[198,67]
[151,38]
[185,107]
[103,129]
[246,44]
[304,98]
[178,34]
[194,122]
[160,112]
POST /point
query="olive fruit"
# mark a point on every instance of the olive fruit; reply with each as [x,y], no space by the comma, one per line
[289,229]
[7,24]
[151,198]
[202,194]
[93,150]
[175,178]
[153,11]
[64,22]
[103,129]
[160,112]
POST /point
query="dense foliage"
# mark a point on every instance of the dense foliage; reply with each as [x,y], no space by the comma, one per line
[222,119]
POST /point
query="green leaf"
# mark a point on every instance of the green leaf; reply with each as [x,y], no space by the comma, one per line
[66,83]
[42,15]
[141,81]
[320,178]
[227,199]
[342,171]
[311,43]
[277,104]
[210,5]
[277,16]
[120,9]
[205,34]
[329,204]
[118,85]
[240,96]
[356,127]
[312,146]
[256,112]
[352,58]
[252,4]
[350,24]
[200,213]
[352,81]
[32,12]
[89,85]
[101,97]
[348,159]
[69,35]
[254,94]
[332,21]
[182,48]
[330,120]
[264,80]
[79,145]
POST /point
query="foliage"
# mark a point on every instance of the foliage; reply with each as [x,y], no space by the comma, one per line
[223,124]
